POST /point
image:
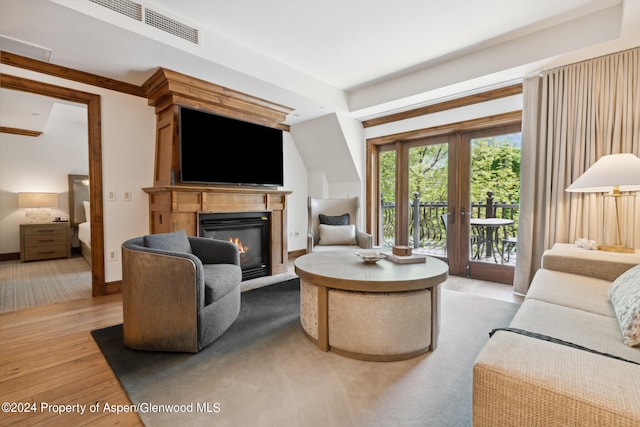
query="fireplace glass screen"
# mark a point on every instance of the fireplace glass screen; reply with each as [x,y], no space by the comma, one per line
[249,231]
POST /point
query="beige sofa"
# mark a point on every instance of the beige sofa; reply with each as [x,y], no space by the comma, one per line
[520,380]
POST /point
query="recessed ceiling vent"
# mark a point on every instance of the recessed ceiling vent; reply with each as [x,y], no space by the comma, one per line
[171,26]
[124,7]
[152,18]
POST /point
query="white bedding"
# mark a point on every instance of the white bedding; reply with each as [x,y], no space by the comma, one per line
[84,233]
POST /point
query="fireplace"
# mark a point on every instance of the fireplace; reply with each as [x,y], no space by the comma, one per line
[249,231]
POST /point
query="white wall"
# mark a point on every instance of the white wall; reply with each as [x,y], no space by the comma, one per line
[295,180]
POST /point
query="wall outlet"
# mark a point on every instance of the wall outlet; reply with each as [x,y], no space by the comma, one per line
[113,255]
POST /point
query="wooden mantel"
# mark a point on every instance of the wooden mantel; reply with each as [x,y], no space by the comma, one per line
[174,205]
[177,207]
[166,87]
[167,90]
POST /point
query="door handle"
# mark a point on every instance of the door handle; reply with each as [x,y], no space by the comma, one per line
[452,214]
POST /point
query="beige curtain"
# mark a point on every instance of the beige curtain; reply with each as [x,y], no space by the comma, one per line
[572,116]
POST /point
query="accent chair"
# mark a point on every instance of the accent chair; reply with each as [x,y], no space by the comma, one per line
[179,293]
[332,225]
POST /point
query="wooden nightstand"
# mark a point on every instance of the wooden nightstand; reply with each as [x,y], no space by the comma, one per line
[45,241]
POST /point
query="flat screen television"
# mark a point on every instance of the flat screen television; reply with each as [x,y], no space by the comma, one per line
[220,150]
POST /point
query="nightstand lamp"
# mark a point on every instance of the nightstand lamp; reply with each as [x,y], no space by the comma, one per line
[37,206]
[614,174]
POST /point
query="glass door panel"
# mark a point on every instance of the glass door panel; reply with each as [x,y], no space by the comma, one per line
[387,180]
[494,203]
[428,189]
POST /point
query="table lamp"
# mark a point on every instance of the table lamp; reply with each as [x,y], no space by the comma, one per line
[614,174]
[34,204]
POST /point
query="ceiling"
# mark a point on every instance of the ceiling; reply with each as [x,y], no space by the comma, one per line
[354,57]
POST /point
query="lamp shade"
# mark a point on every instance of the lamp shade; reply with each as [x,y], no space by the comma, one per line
[615,170]
[37,200]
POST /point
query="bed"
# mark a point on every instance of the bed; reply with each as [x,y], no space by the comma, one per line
[79,212]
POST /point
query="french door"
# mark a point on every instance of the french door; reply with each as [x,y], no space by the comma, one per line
[436,194]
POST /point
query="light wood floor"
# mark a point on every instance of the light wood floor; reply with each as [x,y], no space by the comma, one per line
[29,284]
[47,356]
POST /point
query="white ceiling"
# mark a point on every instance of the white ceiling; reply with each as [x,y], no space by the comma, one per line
[357,57]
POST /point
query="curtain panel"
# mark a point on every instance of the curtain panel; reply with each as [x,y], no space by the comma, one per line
[572,116]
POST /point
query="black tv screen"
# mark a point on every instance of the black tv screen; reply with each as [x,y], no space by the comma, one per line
[221,150]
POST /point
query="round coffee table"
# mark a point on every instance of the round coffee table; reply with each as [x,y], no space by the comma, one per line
[379,312]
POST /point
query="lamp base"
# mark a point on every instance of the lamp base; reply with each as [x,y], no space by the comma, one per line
[619,249]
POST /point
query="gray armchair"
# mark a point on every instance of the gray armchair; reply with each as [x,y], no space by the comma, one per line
[179,293]
[332,225]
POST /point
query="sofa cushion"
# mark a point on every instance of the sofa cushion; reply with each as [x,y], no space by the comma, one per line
[571,290]
[599,264]
[337,235]
[176,241]
[219,280]
[624,294]
[576,326]
[334,220]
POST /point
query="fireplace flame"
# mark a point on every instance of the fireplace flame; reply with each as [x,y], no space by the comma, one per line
[241,248]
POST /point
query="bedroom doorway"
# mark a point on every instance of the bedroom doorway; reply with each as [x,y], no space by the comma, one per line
[92,102]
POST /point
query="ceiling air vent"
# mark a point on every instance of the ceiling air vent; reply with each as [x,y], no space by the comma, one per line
[124,7]
[170,26]
[152,18]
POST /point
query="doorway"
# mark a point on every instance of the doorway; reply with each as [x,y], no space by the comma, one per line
[92,101]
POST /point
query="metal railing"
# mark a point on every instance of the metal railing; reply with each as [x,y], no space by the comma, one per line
[431,232]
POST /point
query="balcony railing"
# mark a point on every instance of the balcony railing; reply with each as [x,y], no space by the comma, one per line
[430,232]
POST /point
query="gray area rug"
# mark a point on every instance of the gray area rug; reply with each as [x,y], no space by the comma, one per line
[264,372]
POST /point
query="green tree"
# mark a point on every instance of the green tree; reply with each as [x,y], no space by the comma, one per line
[495,166]
[428,172]
[388,176]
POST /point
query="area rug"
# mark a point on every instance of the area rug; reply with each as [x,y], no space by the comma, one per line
[264,372]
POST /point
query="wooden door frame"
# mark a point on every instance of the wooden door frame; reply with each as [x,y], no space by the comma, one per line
[92,101]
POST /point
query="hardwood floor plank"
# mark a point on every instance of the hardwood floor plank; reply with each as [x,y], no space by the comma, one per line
[48,356]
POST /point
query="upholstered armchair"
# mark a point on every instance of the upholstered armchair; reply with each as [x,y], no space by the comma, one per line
[179,293]
[332,225]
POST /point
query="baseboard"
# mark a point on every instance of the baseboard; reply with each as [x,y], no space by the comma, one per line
[13,256]
[295,254]
[113,287]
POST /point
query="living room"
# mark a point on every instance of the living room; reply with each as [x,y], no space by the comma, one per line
[324,151]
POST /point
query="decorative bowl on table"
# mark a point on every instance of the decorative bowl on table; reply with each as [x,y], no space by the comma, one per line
[370,257]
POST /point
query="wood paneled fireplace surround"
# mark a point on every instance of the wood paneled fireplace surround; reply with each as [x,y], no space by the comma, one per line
[174,205]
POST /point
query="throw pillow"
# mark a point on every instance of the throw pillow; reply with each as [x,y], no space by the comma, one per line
[334,220]
[337,235]
[176,241]
[624,295]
